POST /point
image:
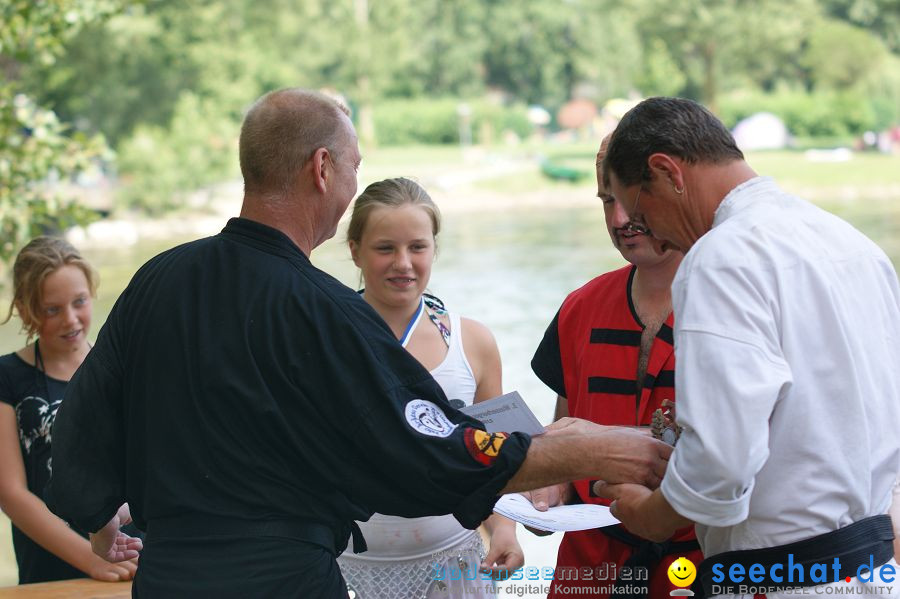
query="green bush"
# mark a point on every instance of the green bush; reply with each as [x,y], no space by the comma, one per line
[883,87]
[406,122]
[437,121]
[500,118]
[157,166]
[806,114]
[149,171]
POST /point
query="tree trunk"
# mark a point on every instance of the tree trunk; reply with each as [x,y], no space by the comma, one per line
[365,120]
[709,76]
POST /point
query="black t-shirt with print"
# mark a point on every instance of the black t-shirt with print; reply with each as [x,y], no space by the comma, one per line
[35,399]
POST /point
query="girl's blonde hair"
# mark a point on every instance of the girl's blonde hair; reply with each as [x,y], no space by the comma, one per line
[392,193]
[40,258]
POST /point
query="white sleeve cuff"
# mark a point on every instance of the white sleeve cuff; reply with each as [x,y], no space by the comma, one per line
[699,508]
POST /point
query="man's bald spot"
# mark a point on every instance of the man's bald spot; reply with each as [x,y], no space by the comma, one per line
[281,131]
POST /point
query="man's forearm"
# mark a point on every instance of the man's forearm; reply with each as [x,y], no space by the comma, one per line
[549,461]
[645,513]
[661,511]
[615,456]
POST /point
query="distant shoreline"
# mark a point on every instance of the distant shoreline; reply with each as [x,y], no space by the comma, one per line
[223,204]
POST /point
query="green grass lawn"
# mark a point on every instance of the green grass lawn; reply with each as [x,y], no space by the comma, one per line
[864,169]
[791,168]
[865,175]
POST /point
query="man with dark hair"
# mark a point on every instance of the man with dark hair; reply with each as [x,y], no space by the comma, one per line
[608,354]
[249,407]
[787,333]
[672,128]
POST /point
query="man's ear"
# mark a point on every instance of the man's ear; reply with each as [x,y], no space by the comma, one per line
[667,169]
[354,252]
[320,163]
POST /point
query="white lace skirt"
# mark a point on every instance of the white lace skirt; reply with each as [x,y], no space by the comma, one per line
[418,578]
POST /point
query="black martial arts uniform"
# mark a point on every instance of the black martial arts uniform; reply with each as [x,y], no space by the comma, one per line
[249,407]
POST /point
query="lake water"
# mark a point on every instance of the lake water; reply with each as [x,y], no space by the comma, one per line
[508,268]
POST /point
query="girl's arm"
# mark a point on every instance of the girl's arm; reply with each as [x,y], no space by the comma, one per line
[505,553]
[484,358]
[31,516]
[481,350]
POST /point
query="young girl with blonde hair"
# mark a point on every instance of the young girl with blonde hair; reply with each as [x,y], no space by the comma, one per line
[53,287]
[392,235]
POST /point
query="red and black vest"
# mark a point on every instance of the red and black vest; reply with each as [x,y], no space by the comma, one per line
[597,338]
[599,346]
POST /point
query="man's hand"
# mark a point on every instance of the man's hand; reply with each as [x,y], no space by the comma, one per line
[633,457]
[579,426]
[574,426]
[644,512]
[552,496]
[112,544]
[547,497]
[100,569]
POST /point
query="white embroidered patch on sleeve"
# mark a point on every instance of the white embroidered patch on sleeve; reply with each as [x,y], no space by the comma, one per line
[426,418]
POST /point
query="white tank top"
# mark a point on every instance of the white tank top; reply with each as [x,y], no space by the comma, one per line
[454,374]
[393,537]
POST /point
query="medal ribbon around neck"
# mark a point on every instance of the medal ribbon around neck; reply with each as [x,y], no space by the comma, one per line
[412,323]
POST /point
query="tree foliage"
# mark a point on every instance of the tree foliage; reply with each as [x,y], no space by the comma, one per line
[167,82]
[132,69]
[881,17]
[861,55]
[38,156]
[726,43]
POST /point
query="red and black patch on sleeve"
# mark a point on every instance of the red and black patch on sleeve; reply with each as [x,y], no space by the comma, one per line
[484,447]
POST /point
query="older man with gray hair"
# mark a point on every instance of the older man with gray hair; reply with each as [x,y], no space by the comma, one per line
[249,407]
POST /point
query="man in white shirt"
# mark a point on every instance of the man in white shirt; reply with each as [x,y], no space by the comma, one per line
[787,337]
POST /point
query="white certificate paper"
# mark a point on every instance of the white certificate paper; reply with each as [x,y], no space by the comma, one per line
[560,518]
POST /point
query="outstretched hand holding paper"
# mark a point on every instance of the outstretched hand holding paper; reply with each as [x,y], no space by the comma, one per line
[559,518]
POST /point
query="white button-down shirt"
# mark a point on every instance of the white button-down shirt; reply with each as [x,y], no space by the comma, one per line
[787,341]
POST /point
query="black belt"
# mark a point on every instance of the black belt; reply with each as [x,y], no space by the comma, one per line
[201,525]
[646,554]
[853,545]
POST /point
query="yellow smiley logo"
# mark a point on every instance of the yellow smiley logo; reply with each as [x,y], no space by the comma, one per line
[682,572]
